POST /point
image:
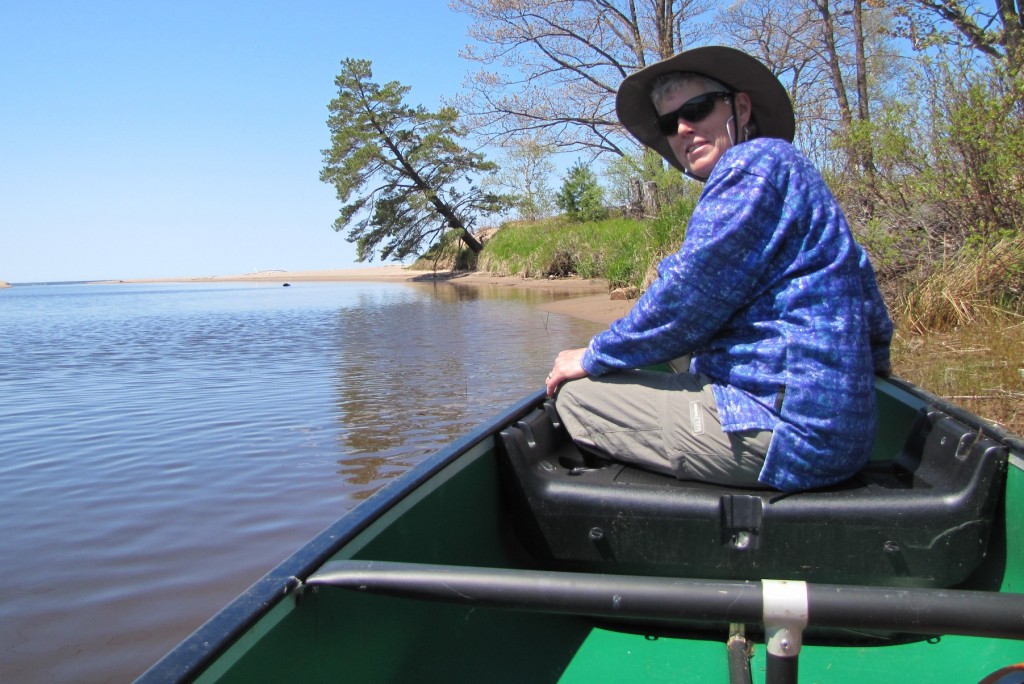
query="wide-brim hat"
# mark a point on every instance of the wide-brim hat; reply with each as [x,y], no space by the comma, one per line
[738,71]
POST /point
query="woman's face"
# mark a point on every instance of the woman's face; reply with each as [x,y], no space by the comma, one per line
[699,145]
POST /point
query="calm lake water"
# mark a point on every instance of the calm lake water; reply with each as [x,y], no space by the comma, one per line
[163,446]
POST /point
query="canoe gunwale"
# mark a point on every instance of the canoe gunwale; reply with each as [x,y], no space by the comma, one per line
[193,655]
[1014,442]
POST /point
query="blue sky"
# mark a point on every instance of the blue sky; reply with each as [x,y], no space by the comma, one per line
[182,138]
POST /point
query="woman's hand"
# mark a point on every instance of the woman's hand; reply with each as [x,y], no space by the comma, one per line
[567,367]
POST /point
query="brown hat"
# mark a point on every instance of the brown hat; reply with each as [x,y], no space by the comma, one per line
[772,110]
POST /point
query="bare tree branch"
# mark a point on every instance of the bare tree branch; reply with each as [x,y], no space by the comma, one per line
[554,65]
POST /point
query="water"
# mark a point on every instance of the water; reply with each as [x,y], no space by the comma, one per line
[163,446]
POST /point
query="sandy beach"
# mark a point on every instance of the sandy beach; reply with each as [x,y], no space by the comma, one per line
[590,301]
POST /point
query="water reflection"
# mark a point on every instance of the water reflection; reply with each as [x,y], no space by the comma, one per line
[422,372]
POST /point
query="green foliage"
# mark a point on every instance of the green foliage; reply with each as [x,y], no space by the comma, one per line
[399,171]
[621,250]
[581,196]
[669,229]
[986,139]
[947,176]
[627,173]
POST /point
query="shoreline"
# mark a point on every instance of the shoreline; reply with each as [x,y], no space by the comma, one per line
[590,299]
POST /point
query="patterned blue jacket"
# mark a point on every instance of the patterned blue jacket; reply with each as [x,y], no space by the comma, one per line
[780,308]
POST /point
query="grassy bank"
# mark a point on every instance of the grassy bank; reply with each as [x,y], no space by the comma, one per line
[621,250]
[959,329]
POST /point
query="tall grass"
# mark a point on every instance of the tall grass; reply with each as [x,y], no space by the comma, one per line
[960,329]
[620,250]
[965,289]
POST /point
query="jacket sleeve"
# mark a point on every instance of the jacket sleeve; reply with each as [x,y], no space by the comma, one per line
[714,273]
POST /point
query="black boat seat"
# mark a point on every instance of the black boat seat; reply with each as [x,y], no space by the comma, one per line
[922,517]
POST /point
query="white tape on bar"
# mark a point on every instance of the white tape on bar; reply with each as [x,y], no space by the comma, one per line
[785,616]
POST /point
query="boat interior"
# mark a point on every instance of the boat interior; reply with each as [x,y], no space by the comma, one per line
[920,514]
[476,564]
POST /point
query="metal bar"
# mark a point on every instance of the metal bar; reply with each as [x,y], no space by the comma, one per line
[918,611]
[739,650]
[595,595]
[912,611]
[781,669]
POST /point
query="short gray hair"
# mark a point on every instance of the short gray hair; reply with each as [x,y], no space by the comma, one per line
[666,84]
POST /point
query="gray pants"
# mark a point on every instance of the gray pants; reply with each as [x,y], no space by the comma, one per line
[666,422]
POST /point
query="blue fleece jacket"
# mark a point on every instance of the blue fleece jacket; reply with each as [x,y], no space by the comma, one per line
[779,306]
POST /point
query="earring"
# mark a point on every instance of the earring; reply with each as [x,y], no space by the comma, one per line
[749,131]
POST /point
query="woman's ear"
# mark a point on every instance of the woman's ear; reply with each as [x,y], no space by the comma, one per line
[743,110]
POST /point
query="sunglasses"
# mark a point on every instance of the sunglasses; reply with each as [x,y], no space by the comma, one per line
[693,110]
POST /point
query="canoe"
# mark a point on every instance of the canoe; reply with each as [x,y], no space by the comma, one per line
[510,556]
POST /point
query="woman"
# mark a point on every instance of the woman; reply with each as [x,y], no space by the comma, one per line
[769,293]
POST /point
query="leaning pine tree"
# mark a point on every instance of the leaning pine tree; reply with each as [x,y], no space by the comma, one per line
[400,174]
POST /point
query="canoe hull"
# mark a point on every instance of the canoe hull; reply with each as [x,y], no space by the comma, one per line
[453,510]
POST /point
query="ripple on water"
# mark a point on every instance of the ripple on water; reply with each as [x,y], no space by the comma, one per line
[163,446]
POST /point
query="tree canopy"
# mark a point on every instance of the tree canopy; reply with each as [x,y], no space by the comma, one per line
[912,109]
[909,107]
[400,172]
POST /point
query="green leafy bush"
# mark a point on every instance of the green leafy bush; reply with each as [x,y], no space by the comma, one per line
[581,196]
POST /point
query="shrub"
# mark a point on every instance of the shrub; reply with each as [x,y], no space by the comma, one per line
[581,197]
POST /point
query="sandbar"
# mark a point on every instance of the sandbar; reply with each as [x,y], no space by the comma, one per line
[590,298]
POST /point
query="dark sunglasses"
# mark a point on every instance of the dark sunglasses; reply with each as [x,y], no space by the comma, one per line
[693,110]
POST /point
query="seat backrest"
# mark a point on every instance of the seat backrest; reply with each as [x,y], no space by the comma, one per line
[921,518]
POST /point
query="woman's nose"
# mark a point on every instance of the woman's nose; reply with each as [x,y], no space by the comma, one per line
[683,127]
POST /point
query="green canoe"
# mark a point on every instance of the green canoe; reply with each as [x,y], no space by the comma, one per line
[512,557]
